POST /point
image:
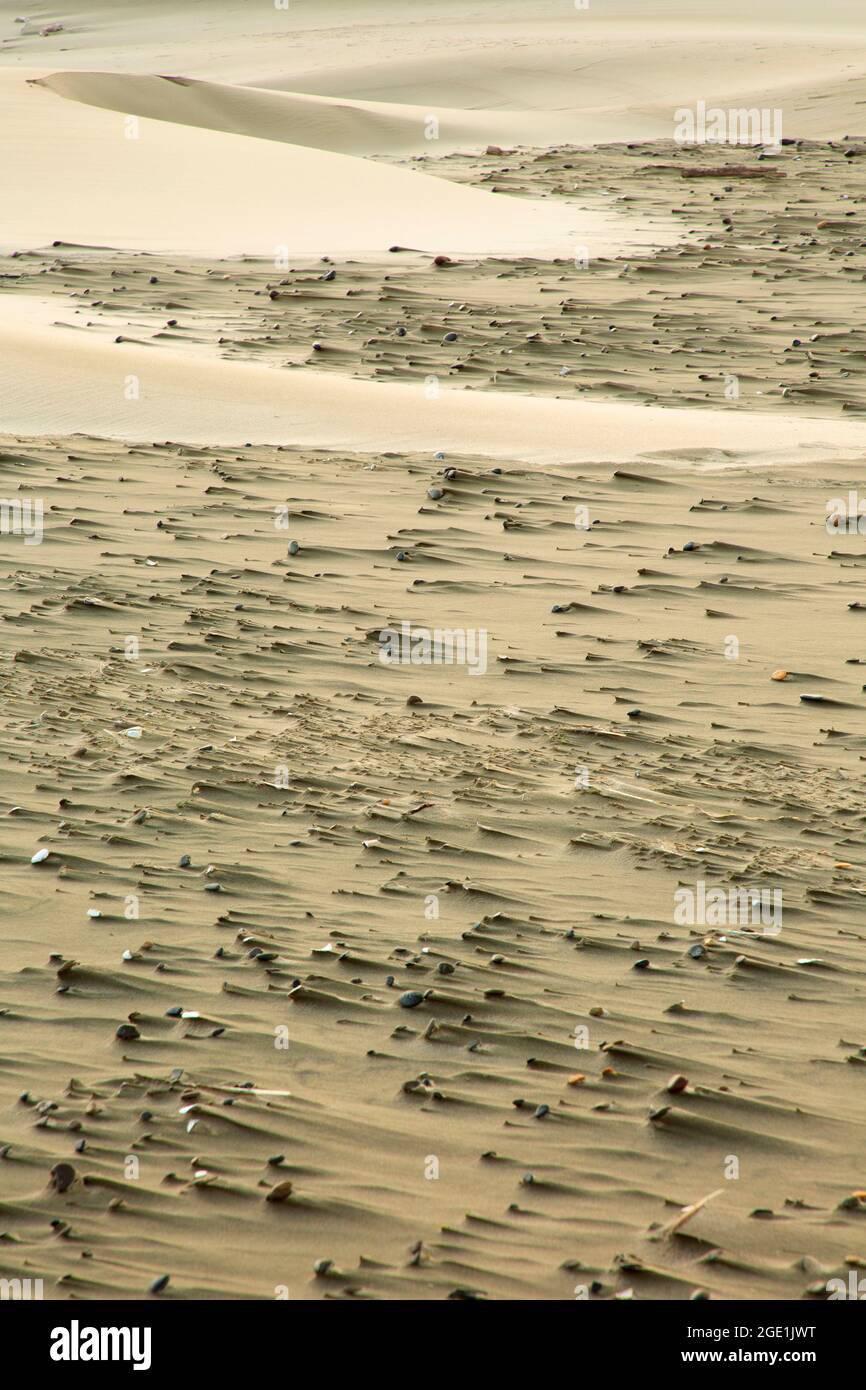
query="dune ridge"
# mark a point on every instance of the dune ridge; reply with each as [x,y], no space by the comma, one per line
[319,122]
[431,594]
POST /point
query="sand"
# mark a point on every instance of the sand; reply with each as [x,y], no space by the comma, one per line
[408,1004]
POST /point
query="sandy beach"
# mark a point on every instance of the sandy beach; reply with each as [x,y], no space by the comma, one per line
[432,593]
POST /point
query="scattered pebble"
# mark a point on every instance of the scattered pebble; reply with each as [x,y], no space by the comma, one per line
[280,1193]
[411,999]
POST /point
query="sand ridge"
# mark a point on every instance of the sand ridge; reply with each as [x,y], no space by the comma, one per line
[433,719]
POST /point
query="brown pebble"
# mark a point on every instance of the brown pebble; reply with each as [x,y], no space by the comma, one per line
[677,1083]
[281,1193]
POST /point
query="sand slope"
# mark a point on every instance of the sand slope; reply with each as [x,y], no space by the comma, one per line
[617,70]
[324,977]
[81,179]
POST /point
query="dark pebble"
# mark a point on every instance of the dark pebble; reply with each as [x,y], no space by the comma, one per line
[411,999]
[62,1176]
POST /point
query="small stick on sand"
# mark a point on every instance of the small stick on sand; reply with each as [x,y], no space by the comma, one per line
[685,1215]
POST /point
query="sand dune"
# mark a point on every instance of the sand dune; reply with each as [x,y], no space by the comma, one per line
[616,81]
[330,976]
[614,71]
[83,179]
[320,122]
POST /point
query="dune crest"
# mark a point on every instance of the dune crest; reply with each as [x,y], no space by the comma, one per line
[432,586]
[337,124]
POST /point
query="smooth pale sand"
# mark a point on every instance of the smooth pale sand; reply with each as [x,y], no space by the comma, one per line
[510,841]
[82,180]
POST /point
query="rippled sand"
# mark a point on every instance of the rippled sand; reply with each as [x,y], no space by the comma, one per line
[335,977]
[518,827]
